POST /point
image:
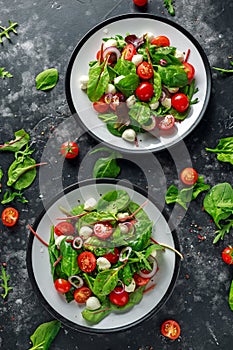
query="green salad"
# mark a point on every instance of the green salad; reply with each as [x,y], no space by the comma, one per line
[103,256]
[140,84]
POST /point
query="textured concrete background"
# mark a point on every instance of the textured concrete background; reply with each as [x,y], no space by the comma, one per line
[48,31]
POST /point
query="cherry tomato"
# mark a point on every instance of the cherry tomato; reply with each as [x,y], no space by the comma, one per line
[103,230]
[145,70]
[166,123]
[140,2]
[62,285]
[113,257]
[170,329]
[82,294]
[227,255]
[161,40]
[10,216]
[87,261]
[128,52]
[119,297]
[145,91]
[101,106]
[64,228]
[180,102]
[189,70]
[140,281]
[69,149]
[116,99]
[189,176]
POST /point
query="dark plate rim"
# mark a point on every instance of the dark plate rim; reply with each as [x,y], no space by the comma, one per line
[137,15]
[40,296]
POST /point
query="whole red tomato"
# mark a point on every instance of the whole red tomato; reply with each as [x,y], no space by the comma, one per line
[140,2]
[227,255]
[69,149]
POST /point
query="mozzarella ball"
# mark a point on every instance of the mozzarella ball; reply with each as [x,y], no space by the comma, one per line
[90,204]
[93,303]
[85,232]
[103,263]
[129,135]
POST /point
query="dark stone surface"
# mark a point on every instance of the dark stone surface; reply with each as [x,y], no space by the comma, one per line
[48,31]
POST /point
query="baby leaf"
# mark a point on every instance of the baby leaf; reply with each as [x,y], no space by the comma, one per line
[21,139]
[98,81]
[224,150]
[5,278]
[47,79]
[44,335]
[105,282]
[231,296]
[4,73]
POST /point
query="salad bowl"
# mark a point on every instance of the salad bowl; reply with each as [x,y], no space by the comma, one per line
[137,24]
[70,313]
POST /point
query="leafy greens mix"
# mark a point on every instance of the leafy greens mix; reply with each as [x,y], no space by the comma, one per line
[102,282]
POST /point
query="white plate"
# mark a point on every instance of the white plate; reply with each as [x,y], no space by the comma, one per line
[137,24]
[39,266]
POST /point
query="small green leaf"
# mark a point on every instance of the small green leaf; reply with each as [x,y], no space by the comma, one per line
[5,278]
[47,79]
[44,335]
[230,300]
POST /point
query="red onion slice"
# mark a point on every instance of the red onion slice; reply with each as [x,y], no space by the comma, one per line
[119,289]
[76,281]
[153,271]
[152,125]
[124,254]
[111,49]
[77,243]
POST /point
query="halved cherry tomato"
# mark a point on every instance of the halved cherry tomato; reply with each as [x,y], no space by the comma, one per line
[161,40]
[189,176]
[101,106]
[145,91]
[189,70]
[166,123]
[180,102]
[69,149]
[116,99]
[64,228]
[140,2]
[170,329]
[128,52]
[82,294]
[10,216]
[227,255]
[145,70]
[113,257]
[87,261]
[119,297]
[103,230]
[140,281]
[62,285]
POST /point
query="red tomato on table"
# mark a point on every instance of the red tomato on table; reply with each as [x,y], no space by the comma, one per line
[10,216]
[170,329]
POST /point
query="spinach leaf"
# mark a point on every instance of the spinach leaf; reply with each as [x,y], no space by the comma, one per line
[4,73]
[225,228]
[173,76]
[124,67]
[21,172]
[218,202]
[187,194]
[106,166]
[169,6]
[157,86]
[113,201]
[96,316]
[45,334]
[230,299]
[21,139]
[94,217]
[53,255]
[140,113]
[98,81]
[224,150]
[105,282]
[69,264]
[47,79]
[10,196]
[128,84]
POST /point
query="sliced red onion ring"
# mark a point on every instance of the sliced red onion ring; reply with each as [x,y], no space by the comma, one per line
[119,289]
[152,125]
[124,254]
[163,96]
[111,49]
[153,271]
[162,62]
[77,243]
[76,281]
